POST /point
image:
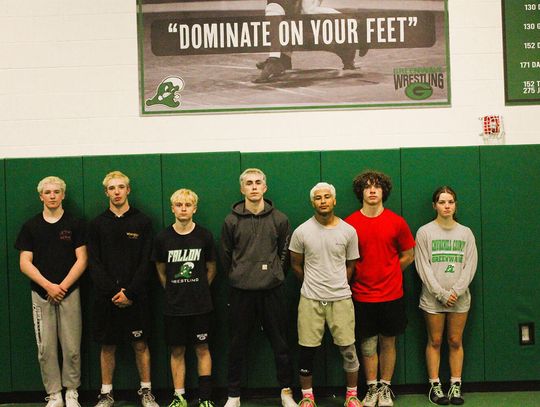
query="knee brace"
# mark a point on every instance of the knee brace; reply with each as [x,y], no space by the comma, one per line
[350,360]
[305,360]
[274,9]
[368,346]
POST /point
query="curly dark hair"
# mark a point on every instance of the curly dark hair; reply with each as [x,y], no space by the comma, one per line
[371,177]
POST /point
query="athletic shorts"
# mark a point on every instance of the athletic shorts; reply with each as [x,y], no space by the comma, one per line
[190,329]
[313,315]
[380,318]
[114,325]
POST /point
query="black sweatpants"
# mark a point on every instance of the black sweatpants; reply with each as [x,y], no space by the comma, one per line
[267,308]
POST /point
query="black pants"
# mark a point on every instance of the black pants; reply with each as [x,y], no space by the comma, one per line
[266,307]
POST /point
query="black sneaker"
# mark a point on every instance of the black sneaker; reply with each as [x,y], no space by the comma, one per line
[272,69]
[437,396]
[347,56]
[454,394]
[285,61]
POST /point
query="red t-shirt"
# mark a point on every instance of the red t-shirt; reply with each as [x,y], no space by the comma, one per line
[378,276]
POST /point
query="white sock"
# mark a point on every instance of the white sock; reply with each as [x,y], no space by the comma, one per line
[146,385]
[437,380]
[387,382]
[307,391]
[371,382]
[106,388]
[455,380]
[179,392]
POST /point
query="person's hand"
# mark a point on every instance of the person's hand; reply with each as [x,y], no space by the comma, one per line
[52,301]
[55,293]
[452,300]
[120,299]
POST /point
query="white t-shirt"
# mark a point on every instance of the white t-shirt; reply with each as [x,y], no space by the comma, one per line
[325,250]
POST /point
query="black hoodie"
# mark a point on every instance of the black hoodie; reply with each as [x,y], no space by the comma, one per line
[119,253]
[255,247]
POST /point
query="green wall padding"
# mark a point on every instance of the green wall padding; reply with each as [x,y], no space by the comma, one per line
[423,170]
[510,190]
[5,346]
[497,188]
[339,169]
[214,177]
[144,172]
[22,177]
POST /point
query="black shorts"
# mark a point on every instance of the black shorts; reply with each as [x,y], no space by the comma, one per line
[380,318]
[114,325]
[184,330]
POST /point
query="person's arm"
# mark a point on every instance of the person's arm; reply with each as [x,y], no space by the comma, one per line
[102,280]
[297,264]
[405,244]
[470,262]
[77,269]
[55,292]
[284,236]
[350,265]
[353,254]
[211,271]
[424,270]
[139,281]
[227,246]
[406,258]
[162,273]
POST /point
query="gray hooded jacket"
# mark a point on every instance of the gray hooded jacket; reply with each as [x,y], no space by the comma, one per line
[254,247]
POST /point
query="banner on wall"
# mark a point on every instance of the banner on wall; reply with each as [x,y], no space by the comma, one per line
[521,46]
[252,55]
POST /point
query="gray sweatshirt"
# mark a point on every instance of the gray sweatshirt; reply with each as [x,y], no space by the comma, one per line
[254,247]
[446,261]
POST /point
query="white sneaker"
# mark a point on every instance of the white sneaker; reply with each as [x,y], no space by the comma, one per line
[72,398]
[54,400]
[372,396]
[385,396]
[105,400]
[232,402]
[147,398]
[287,399]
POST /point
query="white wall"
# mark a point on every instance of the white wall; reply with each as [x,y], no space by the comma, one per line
[69,86]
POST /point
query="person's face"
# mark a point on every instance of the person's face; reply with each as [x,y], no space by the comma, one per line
[445,206]
[253,187]
[183,209]
[117,191]
[323,201]
[373,194]
[52,196]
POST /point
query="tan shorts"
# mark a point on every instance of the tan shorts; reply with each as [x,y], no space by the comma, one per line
[313,314]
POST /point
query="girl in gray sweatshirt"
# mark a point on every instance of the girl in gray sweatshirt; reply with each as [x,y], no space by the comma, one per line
[446,260]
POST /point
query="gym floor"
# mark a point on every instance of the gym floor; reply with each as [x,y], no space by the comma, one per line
[484,399]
